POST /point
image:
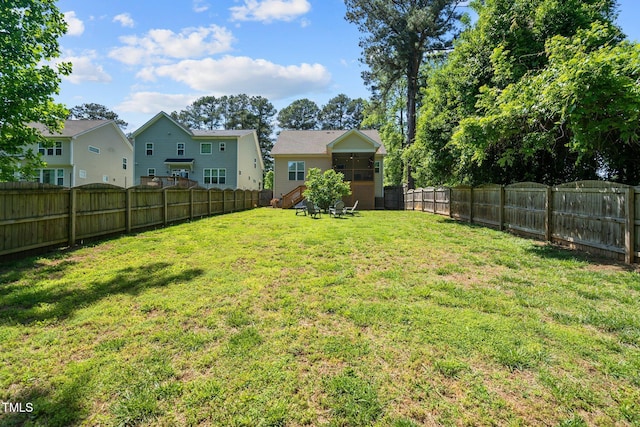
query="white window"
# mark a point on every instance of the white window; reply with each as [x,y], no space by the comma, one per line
[105,178]
[223,146]
[206,148]
[376,166]
[180,149]
[124,163]
[151,172]
[296,171]
[149,148]
[55,150]
[82,174]
[215,176]
[52,176]
[93,149]
[255,163]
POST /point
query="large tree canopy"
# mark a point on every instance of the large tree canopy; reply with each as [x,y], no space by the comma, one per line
[233,112]
[515,98]
[396,37]
[301,114]
[29,32]
[92,111]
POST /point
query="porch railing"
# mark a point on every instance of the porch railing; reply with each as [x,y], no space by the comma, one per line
[292,197]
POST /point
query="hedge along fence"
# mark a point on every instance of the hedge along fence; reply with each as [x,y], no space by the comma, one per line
[601,217]
[34,216]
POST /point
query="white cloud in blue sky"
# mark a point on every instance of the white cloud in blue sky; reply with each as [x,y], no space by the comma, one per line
[270,10]
[125,20]
[75,27]
[139,61]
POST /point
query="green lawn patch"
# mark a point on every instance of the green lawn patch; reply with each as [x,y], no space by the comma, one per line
[266,318]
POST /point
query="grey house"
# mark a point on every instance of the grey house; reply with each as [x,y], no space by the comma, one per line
[212,158]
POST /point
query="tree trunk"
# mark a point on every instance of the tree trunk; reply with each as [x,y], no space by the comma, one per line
[412,93]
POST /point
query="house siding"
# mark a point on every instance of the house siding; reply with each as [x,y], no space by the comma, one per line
[106,164]
[249,164]
[76,157]
[236,159]
[281,183]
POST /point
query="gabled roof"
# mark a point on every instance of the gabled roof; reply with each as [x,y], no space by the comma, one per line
[195,132]
[318,142]
[72,128]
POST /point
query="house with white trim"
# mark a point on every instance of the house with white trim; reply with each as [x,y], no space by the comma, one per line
[358,154]
[210,158]
[86,152]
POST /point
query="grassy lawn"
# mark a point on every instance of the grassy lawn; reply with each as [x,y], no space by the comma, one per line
[265,318]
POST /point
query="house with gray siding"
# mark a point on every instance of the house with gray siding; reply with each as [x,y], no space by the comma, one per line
[212,158]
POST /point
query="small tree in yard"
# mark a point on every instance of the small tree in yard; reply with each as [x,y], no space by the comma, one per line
[326,188]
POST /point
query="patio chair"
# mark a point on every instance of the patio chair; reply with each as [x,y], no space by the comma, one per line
[301,208]
[337,210]
[312,210]
[351,210]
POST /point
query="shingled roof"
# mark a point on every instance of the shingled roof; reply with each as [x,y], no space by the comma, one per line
[315,142]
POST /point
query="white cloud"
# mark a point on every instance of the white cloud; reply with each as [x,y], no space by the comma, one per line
[232,74]
[84,69]
[153,102]
[270,10]
[158,45]
[125,20]
[75,27]
[200,6]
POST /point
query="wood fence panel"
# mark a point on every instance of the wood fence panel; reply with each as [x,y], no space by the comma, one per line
[217,201]
[590,213]
[487,205]
[229,201]
[100,210]
[147,207]
[442,201]
[238,198]
[525,209]
[178,205]
[32,215]
[200,201]
[461,202]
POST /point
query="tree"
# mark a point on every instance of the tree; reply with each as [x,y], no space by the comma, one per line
[233,112]
[397,36]
[301,114]
[342,112]
[493,60]
[324,189]
[29,32]
[95,112]
[587,99]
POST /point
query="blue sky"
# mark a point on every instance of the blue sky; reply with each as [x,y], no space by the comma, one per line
[138,58]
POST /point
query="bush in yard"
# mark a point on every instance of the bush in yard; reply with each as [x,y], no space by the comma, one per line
[324,189]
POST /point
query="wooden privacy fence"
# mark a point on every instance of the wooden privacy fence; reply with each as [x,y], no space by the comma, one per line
[34,216]
[602,217]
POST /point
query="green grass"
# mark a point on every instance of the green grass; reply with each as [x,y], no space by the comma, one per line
[262,318]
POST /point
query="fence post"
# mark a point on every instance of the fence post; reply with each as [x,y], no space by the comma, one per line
[501,211]
[191,204]
[471,205]
[548,221]
[72,216]
[630,228]
[209,201]
[127,219]
[165,208]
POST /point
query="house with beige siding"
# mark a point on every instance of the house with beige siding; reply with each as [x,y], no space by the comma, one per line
[358,154]
[215,158]
[86,152]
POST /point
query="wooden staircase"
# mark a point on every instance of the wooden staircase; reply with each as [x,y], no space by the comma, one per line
[293,197]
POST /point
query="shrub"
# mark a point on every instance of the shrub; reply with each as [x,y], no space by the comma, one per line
[324,189]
